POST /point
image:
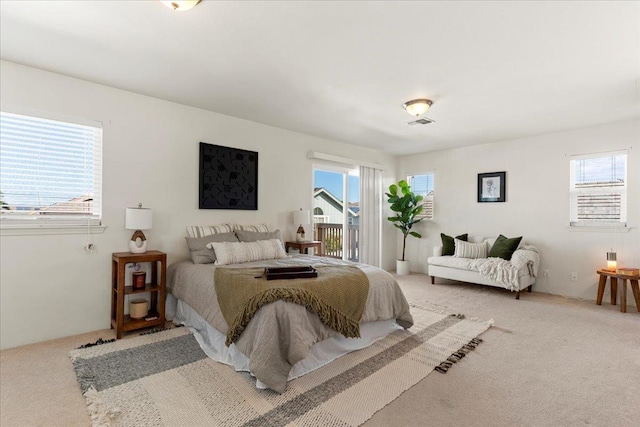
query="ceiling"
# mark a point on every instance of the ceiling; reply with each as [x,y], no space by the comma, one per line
[341,70]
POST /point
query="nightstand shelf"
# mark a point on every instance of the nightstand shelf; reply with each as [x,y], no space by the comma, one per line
[130,324]
[149,287]
[156,288]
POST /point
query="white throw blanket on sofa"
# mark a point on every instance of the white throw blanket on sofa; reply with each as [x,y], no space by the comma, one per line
[506,272]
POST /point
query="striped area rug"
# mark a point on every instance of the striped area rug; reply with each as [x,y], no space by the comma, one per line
[165,379]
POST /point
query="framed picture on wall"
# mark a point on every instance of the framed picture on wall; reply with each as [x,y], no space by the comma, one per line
[492,187]
[228,178]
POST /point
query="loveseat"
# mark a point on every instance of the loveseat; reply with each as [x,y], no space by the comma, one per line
[473,261]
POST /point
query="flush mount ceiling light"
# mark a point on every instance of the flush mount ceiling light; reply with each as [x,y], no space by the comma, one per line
[181,5]
[417,107]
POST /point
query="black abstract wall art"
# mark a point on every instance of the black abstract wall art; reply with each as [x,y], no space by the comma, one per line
[228,178]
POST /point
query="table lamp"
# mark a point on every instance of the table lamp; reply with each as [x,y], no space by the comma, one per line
[301,217]
[611,261]
[138,219]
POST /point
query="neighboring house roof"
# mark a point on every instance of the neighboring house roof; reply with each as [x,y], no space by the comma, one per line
[326,194]
[76,205]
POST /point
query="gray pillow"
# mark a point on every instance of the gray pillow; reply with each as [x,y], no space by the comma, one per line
[254,236]
[198,250]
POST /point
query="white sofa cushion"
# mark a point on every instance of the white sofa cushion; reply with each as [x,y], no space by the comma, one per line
[453,262]
[470,250]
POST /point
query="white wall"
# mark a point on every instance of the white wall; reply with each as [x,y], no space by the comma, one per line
[537,205]
[49,287]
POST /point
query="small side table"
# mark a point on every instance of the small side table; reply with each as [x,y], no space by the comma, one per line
[614,288]
[303,247]
[157,290]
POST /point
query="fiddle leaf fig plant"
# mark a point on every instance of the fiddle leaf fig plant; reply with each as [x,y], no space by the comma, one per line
[407,206]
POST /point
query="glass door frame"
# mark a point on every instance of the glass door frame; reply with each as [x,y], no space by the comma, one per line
[346,171]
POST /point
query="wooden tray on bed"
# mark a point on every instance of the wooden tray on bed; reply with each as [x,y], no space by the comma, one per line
[290,272]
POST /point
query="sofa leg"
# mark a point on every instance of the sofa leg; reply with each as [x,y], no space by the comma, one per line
[530,288]
[517,294]
[433,280]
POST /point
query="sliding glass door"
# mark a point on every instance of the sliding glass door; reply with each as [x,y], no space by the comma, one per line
[336,211]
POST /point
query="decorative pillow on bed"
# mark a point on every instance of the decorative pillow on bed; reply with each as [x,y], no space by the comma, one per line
[235,253]
[504,247]
[254,236]
[448,247]
[200,253]
[262,228]
[469,250]
[208,230]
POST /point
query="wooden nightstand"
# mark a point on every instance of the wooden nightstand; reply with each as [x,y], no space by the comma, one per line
[157,289]
[303,247]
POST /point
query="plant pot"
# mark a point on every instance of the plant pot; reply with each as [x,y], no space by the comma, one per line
[402,268]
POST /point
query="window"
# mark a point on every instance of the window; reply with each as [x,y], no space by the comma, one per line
[598,189]
[319,216]
[423,185]
[50,172]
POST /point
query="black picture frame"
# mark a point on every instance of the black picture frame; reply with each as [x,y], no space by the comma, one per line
[492,187]
[228,178]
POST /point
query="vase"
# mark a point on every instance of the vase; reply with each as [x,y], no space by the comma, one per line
[402,268]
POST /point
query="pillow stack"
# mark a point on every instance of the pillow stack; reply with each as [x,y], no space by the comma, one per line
[200,252]
[459,247]
[201,238]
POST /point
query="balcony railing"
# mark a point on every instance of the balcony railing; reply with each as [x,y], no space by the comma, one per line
[331,237]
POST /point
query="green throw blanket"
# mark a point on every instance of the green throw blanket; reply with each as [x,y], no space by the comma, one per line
[338,296]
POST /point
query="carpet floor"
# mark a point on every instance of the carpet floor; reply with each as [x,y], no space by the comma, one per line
[547,361]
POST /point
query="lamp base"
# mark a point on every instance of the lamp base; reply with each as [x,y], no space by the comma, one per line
[300,236]
[138,243]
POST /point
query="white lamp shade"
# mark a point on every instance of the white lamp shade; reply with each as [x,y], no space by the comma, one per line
[138,219]
[302,217]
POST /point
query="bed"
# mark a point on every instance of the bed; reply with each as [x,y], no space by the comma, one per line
[283,340]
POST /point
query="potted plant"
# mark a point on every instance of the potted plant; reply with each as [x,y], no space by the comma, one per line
[406,206]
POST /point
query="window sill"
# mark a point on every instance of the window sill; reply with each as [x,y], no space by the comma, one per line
[599,229]
[45,229]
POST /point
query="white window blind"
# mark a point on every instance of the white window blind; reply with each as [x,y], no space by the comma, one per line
[598,189]
[50,171]
[423,185]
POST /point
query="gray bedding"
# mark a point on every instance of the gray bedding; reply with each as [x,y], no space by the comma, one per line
[282,333]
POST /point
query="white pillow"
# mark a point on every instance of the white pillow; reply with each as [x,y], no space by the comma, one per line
[470,250]
[238,252]
[208,230]
[261,228]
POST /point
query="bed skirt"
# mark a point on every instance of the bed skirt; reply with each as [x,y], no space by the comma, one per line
[212,341]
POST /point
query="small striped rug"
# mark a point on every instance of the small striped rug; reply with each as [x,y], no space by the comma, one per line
[165,379]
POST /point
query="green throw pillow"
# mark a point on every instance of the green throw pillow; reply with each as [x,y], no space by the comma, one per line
[504,248]
[448,246]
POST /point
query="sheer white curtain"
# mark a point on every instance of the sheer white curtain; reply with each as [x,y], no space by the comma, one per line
[370,216]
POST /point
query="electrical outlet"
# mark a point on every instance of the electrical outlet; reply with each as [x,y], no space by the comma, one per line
[545,273]
[574,276]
